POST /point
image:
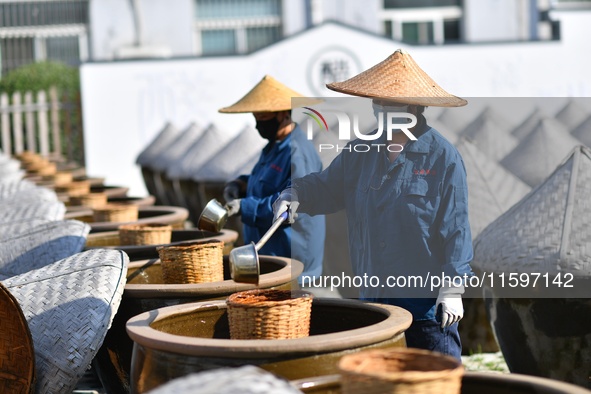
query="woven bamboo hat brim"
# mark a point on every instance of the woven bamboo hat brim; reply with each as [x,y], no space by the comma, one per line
[269,95]
[398,78]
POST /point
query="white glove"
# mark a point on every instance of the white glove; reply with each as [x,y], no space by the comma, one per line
[233,207]
[287,201]
[231,191]
[452,309]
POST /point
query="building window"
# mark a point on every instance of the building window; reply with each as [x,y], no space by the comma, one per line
[33,31]
[260,37]
[16,52]
[420,3]
[417,32]
[451,30]
[63,49]
[227,27]
[422,21]
[572,4]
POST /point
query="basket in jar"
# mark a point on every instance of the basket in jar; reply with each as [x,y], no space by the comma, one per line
[269,314]
[400,371]
[145,234]
[28,156]
[42,167]
[91,200]
[74,189]
[115,213]
[47,169]
[60,178]
[192,262]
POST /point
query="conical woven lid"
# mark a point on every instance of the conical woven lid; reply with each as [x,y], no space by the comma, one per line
[528,125]
[548,230]
[538,154]
[232,157]
[489,132]
[203,150]
[177,148]
[457,119]
[573,114]
[269,95]
[492,189]
[398,78]
[583,132]
[160,142]
[8,188]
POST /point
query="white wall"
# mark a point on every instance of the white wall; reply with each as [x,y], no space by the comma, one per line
[126,103]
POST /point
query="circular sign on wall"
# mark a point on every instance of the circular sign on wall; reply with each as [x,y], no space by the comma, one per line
[331,64]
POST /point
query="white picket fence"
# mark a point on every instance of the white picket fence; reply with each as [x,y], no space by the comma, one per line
[40,131]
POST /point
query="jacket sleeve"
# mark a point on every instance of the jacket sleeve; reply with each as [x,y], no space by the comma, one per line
[454,227]
[323,192]
[258,211]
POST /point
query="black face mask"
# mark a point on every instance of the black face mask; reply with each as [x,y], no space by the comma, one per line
[268,128]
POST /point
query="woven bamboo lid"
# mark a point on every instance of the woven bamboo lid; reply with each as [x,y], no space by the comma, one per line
[398,78]
[269,95]
[547,230]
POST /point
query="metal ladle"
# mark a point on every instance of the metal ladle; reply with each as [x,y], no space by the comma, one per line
[214,217]
[244,260]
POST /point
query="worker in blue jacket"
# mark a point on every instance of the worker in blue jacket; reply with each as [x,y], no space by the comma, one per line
[287,155]
[406,201]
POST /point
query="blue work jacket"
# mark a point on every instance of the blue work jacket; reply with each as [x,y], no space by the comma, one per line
[294,156]
[406,218]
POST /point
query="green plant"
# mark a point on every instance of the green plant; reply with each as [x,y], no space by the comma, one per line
[41,76]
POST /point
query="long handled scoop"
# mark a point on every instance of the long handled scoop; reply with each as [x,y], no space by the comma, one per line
[244,260]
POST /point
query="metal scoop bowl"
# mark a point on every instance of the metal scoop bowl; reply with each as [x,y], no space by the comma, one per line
[214,217]
[244,260]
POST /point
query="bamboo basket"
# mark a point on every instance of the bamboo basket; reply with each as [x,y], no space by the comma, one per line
[91,200]
[400,371]
[115,213]
[193,262]
[145,234]
[107,238]
[29,157]
[74,189]
[41,167]
[47,169]
[60,178]
[269,314]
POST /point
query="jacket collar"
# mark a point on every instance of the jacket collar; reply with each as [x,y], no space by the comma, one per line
[423,142]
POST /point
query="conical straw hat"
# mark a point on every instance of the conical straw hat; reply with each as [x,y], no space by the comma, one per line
[400,79]
[269,95]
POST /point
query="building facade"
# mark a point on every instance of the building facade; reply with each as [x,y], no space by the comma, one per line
[75,31]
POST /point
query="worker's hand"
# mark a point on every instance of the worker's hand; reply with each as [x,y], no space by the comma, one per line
[450,300]
[287,201]
[231,191]
[233,207]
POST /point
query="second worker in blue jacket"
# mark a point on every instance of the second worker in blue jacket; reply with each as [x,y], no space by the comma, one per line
[287,155]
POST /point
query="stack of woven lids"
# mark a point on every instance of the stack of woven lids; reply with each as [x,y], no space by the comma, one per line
[62,292]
